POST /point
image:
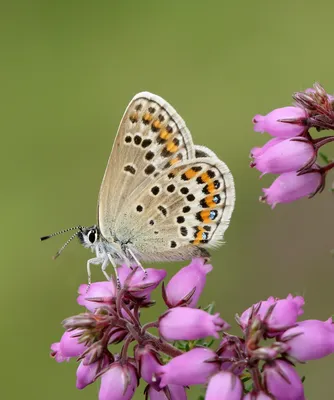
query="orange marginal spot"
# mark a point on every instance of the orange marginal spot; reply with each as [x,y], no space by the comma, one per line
[209,201]
[205,178]
[205,216]
[171,147]
[210,187]
[147,117]
[164,134]
[199,235]
[190,173]
[157,124]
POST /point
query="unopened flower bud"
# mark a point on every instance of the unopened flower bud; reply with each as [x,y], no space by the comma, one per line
[191,368]
[282,381]
[137,282]
[286,156]
[310,339]
[277,314]
[149,365]
[290,187]
[70,345]
[224,386]
[103,292]
[184,323]
[86,373]
[258,151]
[271,123]
[190,280]
[57,354]
[119,382]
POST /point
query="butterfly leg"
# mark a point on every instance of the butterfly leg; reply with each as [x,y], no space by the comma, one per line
[137,262]
[104,267]
[96,260]
[118,282]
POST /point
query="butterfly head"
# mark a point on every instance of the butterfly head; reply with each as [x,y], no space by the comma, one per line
[89,237]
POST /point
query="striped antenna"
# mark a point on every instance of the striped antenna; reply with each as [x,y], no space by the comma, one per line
[66,243]
[60,232]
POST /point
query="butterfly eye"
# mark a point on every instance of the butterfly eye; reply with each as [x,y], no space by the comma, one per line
[92,236]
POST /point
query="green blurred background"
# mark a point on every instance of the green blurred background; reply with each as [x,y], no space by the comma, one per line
[68,70]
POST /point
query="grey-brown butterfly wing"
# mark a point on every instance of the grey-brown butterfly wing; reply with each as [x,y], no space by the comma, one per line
[183,212]
[151,137]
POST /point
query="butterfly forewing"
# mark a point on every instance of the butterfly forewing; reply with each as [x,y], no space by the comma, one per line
[151,138]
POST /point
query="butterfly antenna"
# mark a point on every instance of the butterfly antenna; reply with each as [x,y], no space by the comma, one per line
[60,232]
[66,243]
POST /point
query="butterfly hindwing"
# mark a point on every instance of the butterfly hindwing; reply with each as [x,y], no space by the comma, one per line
[186,209]
[151,138]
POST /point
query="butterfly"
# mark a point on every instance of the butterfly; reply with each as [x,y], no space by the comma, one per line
[162,198]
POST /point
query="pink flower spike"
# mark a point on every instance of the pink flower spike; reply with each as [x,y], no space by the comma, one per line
[191,278]
[290,187]
[310,339]
[170,392]
[286,156]
[271,124]
[282,381]
[191,368]
[119,382]
[224,386]
[258,151]
[69,345]
[258,396]
[57,354]
[184,323]
[98,290]
[86,374]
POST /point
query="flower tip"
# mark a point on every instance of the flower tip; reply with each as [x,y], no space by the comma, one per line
[255,152]
[258,122]
[257,118]
[207,268]
[80,385]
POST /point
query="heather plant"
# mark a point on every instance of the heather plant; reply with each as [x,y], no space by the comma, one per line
[260,363]
[193,346]
[293,152]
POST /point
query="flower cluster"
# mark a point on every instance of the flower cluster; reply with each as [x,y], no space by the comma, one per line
[292,153]
[257,365]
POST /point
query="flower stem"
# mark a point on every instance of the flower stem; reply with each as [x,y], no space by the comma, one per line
[161,345]
[328,167]
[257,385]
[322,141]
[125,347]
[153,324]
